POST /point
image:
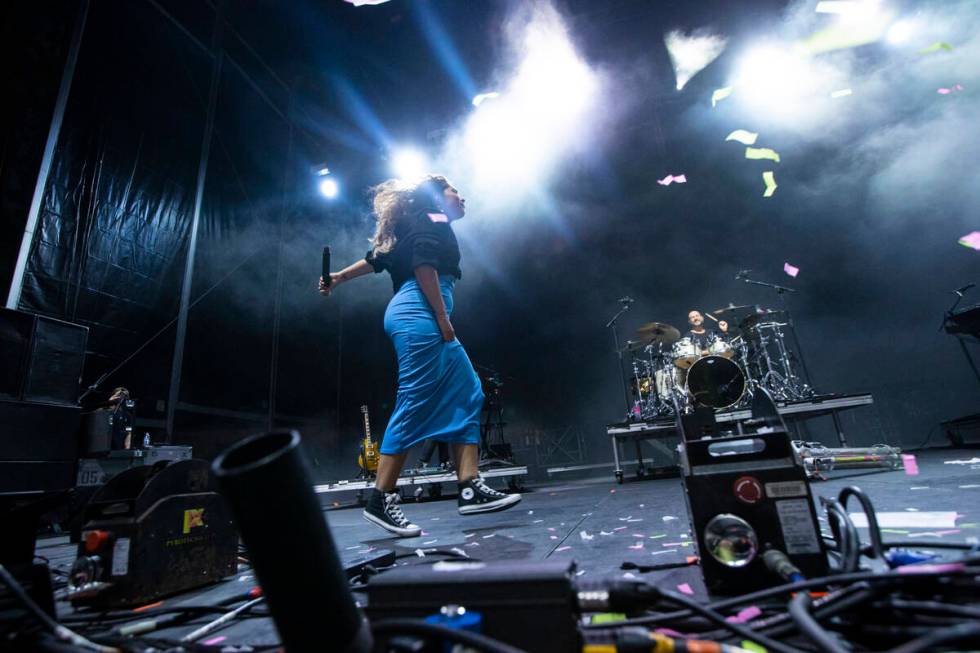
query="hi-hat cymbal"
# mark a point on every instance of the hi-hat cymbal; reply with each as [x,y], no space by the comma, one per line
[658,332]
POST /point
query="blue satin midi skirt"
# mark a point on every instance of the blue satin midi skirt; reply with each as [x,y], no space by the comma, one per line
[439,393]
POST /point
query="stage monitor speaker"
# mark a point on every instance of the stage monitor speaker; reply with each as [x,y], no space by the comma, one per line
[57,357]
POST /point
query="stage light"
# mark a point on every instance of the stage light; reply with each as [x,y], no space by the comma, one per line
[329,187]
[900,32]
[408,164]
[773,79]
[731,540]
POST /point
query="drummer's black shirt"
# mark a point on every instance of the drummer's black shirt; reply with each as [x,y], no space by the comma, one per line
[426,238]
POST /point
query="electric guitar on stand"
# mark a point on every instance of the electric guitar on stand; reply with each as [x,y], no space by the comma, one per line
[368,457]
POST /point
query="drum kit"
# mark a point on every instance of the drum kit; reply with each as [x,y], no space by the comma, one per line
[671,373]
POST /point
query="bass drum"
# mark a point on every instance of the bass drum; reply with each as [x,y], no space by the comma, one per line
[715,382]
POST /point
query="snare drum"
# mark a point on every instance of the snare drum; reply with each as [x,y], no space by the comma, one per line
[719,347]
[685,353]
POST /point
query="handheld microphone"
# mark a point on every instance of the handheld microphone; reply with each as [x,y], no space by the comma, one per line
[963,289]
[326,267]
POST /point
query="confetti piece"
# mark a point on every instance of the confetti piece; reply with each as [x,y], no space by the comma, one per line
[435,519]
[473,544]
[971,240]
[537,521]
[552,529]
[362,3]
[770,182]
[720,94]
[636,547]
[487,537]
[752,647]
[676,544]
[669,179]
[639,535]
[430,542]
[748,614]
[967,487]
[936,47]
[605,533]
[971,461]
[791,270]
[684,588]
[620,528]
[562,548]
[579,572]
[668,518]
[670,632]
[657,553]
[420,553]
[215,640]
[469,535]
[742,136]
[632,521]
[761,153]
[895,531]
[552,537]
[586,536]
[530,512]
[844,92]
[657,537]
[919,487]
[931,569]
[910,519]
[911,466]
[459,551]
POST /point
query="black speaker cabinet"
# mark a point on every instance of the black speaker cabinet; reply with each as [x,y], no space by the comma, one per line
[747,494]
[41,358]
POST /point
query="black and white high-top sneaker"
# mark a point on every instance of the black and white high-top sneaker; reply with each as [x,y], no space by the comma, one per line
[382,509]
[475,496]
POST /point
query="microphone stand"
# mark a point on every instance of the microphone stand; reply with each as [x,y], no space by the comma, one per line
[613,324]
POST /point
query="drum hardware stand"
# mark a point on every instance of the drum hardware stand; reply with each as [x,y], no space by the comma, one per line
[807,390]
[959,292]
[613,324]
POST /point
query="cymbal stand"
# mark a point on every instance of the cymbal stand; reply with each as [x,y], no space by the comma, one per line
[613,324]
[780,292]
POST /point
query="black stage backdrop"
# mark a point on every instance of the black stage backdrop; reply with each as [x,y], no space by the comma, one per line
[877,261]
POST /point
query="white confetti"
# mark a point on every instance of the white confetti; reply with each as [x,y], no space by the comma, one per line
[487,537]
[429,542]
[667,518]
[586,536]
[420,553]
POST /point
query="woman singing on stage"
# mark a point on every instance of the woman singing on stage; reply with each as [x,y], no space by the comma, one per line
[439,393]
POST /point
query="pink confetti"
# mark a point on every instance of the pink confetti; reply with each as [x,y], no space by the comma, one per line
[791,270]
[438,217]
[911,466]
[675,179]
[748,614]
[670,632]
[685,589]
[947,91]
[562,548]
[361,3]
[551,529]
[215,640]
[638,535]
[950,567]
[971,240]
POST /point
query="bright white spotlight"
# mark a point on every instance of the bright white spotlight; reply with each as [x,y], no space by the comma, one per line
[329,187]
[900,32]
[775,79]
[408,164]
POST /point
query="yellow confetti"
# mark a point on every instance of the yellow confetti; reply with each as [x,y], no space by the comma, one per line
[742,136]
[761,153]
[936,47]
[770,180]
[720,94]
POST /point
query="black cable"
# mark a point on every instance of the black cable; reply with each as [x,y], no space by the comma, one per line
[848,541]
[738,629]
[877,550]
[935,607]
[871,576]
[963,632]
[799,610]
[465,637]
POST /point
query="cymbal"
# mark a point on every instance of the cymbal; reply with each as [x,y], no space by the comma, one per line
[658,332]
[731,308]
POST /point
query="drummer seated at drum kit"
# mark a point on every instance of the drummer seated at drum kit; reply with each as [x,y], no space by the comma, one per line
[699,341]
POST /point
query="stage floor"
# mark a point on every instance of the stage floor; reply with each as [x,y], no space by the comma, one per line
[600,525]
